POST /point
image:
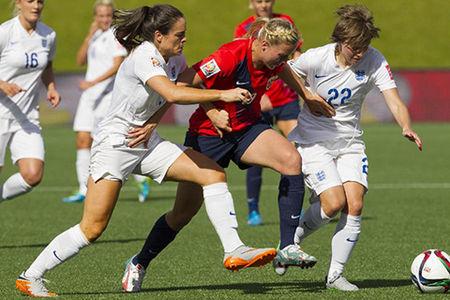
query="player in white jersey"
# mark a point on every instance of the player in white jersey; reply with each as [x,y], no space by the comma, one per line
[27,48]
[103,56]
[334,163]
[143,89]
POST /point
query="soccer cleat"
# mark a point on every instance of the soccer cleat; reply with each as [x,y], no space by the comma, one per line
[245,257]
[132,277]
[33,287]
[254,218]
[339,282]
[75,198]
[144,190]
[292,255]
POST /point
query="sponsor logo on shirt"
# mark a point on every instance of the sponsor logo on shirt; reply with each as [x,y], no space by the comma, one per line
[155,62]
[210,68]
[360,74]
[271,81]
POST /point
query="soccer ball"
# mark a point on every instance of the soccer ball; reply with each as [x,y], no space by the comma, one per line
[430,271]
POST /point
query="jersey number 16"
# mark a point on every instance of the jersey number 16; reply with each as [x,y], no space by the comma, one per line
[31,60]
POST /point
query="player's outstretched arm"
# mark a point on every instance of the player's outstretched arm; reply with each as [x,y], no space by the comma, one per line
[401,115]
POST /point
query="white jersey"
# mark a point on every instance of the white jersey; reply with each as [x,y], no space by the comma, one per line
[103,48]
[345,89]
[133,102]
[23,58]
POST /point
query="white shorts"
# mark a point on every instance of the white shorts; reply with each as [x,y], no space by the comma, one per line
[24,140]
[332,163]
[91,109]
[117,162]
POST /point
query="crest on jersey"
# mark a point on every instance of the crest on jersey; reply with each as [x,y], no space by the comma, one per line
[271,81]
[210,68]
[360,74]
[44,43]
[155,62]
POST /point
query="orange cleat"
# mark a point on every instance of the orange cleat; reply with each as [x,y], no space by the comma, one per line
[245,257]
[33,287]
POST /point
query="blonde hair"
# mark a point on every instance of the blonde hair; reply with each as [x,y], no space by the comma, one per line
[16,10]
[355,26]
[275,31]
[103,2]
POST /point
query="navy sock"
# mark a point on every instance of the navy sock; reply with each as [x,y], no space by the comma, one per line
[159,237]
[254,181]
[290,202]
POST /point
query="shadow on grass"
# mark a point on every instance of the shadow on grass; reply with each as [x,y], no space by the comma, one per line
[272,288]
[124,241]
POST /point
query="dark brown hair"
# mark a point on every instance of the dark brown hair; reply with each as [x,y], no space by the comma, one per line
[354,27]
[132,27]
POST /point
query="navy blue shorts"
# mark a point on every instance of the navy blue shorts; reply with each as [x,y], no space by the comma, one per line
[288,111]
[231,147]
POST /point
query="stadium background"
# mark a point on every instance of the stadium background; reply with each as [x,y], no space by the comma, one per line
[406,209]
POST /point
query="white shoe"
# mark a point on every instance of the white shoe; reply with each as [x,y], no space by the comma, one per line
[339,282]
[292,255]
[33,287]
[132,277]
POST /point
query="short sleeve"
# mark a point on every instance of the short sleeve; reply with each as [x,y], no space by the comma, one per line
[216,67]
[147,65]
[300,65]
[52,52]
[383,77]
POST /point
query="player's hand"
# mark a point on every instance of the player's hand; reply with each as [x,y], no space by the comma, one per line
[140,135]
[413,137]
[53,97]
[236,94]
[10,89]
[220,120]
[84,85]
[265,103]
[319,107]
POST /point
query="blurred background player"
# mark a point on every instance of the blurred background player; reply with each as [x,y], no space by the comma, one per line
[249,63]
[334,160]
[126,141]
[280,104]
[27,48]
[103,56]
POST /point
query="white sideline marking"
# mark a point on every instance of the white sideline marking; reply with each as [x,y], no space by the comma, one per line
[156,188]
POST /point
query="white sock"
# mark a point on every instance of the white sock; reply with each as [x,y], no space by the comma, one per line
[82,165]
[13,187]
[220,209]
[139,178]
[63,247]
[313,219]
[343,242]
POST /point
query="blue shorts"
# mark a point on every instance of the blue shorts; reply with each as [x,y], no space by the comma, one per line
[231,147]
[288,111]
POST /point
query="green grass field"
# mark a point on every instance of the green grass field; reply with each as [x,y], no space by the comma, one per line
[407,211]
[414,33]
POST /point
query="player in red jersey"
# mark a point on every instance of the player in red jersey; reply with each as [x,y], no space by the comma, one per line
[280,104]
[253,64]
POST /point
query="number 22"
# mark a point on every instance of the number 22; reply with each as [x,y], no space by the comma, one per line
[345,92]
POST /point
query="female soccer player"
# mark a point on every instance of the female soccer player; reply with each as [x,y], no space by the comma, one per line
[279,103]
[251,63]
[103,56]
[27,48]
[155,37]
[334,162]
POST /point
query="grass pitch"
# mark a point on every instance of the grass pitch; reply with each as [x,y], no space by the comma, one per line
[407,211]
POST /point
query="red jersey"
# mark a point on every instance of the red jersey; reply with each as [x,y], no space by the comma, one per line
[279,93]
[229,67]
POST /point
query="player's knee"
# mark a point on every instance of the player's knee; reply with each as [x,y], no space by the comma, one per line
[213,176]
[33,176]
[334,206]
[291,164]
[355,209]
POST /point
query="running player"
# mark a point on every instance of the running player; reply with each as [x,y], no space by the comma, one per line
[103,56]
[251,63]
[334,162]
[155,37]
[27,48]
[279,104]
